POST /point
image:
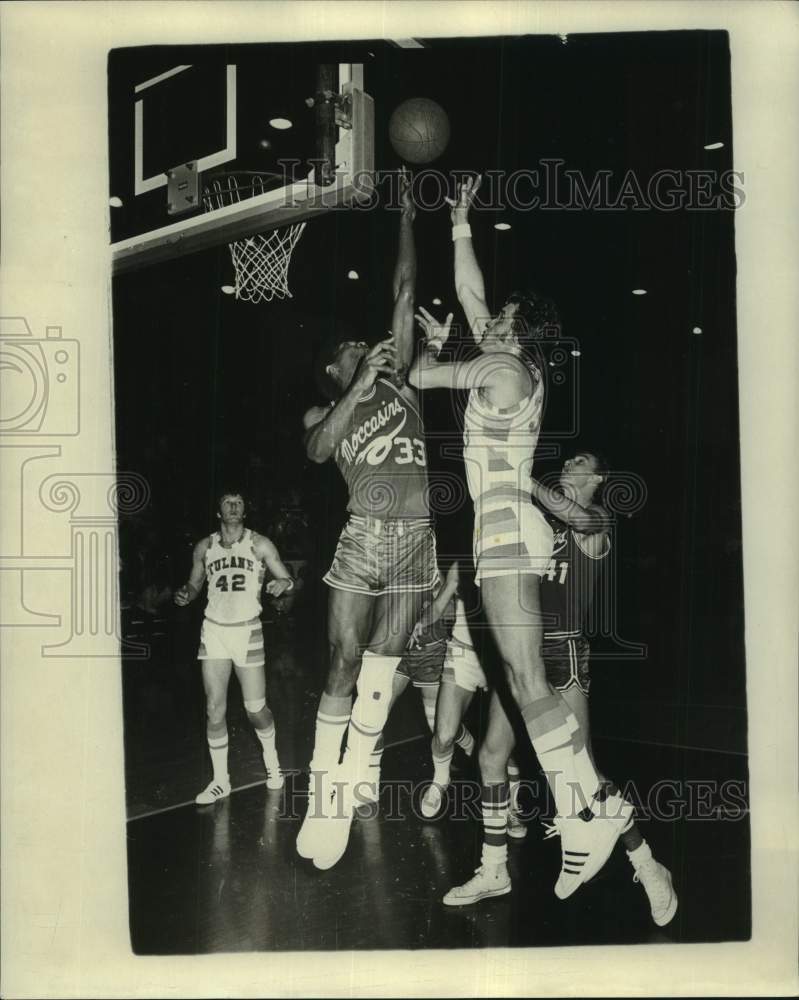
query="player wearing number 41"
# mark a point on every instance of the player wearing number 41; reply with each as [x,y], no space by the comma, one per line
[567,589]
[513,544]
[385,562]
[234,561]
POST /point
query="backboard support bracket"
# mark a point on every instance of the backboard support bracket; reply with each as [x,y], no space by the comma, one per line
[183,188]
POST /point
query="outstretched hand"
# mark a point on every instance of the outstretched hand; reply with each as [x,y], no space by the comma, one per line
[435,332]
[462,202]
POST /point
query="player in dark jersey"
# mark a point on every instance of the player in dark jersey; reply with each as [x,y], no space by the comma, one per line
[581,544]
[233,561]
[385,562]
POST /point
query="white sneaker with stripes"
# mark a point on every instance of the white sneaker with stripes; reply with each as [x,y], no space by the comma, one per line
[215,792]
[586,844]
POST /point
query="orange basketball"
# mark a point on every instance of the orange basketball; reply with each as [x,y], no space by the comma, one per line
[419,130]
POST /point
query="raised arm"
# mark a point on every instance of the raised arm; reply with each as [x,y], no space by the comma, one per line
[325,427]
[591,520]
[469,283]
[404,281]
[189,591]
[283,580]
[502,374]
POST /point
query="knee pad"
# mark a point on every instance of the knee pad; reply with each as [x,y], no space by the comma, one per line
[374,689]
[254,705]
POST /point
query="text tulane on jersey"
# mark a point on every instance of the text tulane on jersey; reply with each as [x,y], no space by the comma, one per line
[230,562]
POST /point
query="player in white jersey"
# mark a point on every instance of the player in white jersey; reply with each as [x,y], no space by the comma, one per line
[233,561]
[512,547]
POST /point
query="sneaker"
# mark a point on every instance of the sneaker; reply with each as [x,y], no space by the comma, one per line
[487,881]
[586,844]
[656,880]
[516,829]
[336,828]
[215,792]
[432,800]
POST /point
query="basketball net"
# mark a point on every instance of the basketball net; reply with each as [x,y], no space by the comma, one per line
[261,262]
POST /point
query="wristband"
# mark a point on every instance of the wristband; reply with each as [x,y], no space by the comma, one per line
[461,231]
[291,585]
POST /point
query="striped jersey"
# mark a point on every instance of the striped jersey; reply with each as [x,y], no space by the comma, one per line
[382,456]
[567,588]
[235,577]
[499,445]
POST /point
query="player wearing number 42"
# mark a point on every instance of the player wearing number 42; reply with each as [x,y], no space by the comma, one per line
[385,562]
[234,561]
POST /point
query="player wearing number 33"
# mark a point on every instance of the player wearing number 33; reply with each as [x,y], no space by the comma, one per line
[385,562]
[234,561]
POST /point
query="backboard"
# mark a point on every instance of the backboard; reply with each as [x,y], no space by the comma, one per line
[299,118]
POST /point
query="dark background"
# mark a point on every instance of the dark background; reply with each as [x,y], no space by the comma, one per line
[209,389]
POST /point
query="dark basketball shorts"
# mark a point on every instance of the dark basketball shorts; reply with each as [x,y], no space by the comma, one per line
[566,664]
[565,661]
[378,557]
[424,665]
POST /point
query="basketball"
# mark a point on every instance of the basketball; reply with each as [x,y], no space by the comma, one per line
[419,130]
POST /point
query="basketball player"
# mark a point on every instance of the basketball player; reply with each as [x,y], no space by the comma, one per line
[385,562]
[233,561]
[512,549]
[460,677]
[422,665]
[581,543]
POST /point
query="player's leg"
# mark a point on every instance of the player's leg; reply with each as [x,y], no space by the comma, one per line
[589,819]
[408,572]
[570,673]
[216,677]
[429,695]
[252,679]
[349,621]
[512,607]
[371,790]
[395,614]
[491,878]
[453,703]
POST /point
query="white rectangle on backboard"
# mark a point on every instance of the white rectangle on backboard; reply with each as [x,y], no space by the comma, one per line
[144,184]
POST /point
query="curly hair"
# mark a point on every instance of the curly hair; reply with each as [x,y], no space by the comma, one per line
[535,318]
